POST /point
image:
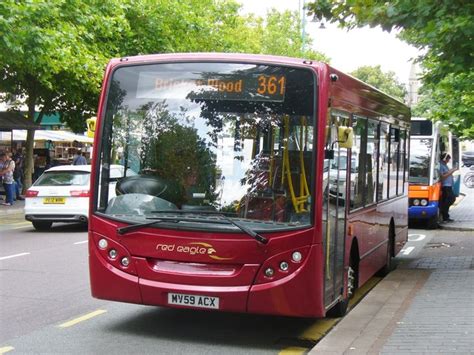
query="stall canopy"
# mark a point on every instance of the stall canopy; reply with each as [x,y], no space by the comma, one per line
[45,135]
[13,120]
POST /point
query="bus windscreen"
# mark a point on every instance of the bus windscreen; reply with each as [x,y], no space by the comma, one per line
[234,138]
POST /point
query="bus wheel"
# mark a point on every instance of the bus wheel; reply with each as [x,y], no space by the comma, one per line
[340,309]
[389,264]
[433,222]
[42,225]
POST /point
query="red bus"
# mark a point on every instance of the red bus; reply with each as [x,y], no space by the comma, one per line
[251,183]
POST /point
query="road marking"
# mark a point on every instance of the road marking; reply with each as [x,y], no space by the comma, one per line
[13,256]
[82,318]
[416,237]
[6,349]
[408,250]
[83,242]
[20,227]
[321,327]
[294,350]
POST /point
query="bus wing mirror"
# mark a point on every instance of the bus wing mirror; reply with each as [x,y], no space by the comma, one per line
[345,136]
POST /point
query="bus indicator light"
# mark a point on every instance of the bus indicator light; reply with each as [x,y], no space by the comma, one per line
[125,261]
[269,272]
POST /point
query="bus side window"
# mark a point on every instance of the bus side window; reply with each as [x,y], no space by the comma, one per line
[358,163]
[382,187]
[371,161]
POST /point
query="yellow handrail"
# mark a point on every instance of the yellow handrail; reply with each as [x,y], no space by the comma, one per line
[298,201]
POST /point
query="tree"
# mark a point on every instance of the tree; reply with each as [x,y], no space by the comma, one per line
[386,82]
[442,29]
[282,36]
[53,53]
[52,56]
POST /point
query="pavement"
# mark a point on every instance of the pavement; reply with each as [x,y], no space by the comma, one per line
[17,208]
[425,306]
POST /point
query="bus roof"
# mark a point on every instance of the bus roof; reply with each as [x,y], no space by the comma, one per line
[348,91]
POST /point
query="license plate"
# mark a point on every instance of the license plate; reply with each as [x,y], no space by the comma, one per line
[197,301]
[54,200]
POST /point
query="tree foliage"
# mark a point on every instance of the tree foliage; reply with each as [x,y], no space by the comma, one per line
[386,82]
[442,29]
[53,53]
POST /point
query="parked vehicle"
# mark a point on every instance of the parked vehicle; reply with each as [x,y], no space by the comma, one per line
[469,178]
[61,194]
[468,158]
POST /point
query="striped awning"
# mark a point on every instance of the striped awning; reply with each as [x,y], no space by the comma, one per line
[47,135]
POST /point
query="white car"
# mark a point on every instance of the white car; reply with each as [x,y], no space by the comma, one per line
[61,194]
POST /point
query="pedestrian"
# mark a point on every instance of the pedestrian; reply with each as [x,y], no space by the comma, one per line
[18,158]
[447,193]
[8,181]
[78,158]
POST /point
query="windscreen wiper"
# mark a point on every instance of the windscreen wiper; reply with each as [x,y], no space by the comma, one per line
[222,216]
[132,227]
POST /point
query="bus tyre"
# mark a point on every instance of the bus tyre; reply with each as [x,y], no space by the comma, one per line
[340,309]
[42,225]
[389,264]
[433,222]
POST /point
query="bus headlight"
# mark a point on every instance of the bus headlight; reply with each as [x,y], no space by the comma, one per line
[416,202]
[424,202]
[296,256]
[284,266]
[103,244]
[112,253]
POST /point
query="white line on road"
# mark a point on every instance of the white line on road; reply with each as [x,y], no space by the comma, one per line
[6,349]
[416,237]
[13,256]
[83,242]
[82,318]
[408,250]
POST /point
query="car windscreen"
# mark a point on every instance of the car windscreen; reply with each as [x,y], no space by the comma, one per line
[63,178]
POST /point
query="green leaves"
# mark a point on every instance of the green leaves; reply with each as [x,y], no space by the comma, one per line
[443,29]
[386,82]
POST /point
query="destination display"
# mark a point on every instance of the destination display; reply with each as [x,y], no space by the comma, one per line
[250,87]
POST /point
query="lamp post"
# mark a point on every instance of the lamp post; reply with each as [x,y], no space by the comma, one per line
[302,4]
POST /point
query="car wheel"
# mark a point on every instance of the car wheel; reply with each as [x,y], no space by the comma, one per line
[42,225]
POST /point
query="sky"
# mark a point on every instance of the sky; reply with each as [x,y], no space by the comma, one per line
[348,50]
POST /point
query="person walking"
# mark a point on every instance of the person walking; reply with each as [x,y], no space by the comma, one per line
[18,158]
[79,159]
[8,181]
[447,193]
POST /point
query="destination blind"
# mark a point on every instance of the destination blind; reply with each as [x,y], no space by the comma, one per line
[239,87]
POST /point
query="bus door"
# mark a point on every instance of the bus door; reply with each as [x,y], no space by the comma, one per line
[334,208]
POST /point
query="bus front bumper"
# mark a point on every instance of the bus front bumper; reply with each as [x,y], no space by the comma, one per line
[423,212]
[278,298]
